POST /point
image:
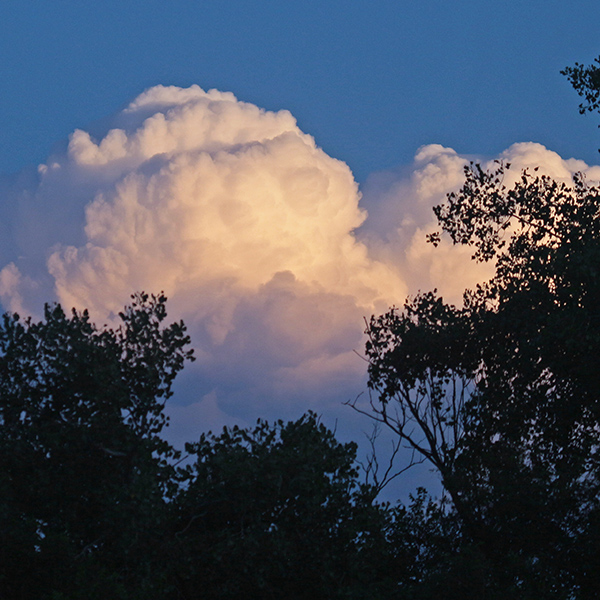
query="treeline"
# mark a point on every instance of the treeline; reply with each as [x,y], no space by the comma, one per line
[93,503]
[500,396]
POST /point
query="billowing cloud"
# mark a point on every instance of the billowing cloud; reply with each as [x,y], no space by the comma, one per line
[400,216]
[400,213]
[210,198]
[260,240]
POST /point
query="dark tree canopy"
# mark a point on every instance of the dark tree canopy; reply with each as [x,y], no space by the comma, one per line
[82,466]
[278,512]
[502,395]
[586,82]
[93,502]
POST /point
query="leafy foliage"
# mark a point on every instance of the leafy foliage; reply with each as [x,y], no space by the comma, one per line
[421,367]
[278,512]
[529,468]
[93,504]
[586,82]
[83,471]
[501,395]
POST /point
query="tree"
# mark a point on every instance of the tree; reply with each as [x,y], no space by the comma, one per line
[422,370]
[84,474]
[528,463]
[586,82]
[501,394]
[278,512]
[93,503]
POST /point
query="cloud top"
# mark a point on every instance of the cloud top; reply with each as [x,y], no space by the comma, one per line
[210,192]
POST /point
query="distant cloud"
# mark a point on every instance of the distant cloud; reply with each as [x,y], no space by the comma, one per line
[400,216]
[259,239]
[400,213]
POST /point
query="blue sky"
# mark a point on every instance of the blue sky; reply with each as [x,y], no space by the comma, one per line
[372,81]
[260,238]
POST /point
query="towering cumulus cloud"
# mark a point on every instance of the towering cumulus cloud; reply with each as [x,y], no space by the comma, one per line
[212,199]
[253,232]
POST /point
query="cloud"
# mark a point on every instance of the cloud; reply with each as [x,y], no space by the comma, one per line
[212,194]
[400,216]
[400,213]
[238,216]
[260,240]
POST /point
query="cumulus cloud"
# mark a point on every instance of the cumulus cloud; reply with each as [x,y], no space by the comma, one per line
[214,195]
[260,240]
[400,212]
[400,216]
[238,216]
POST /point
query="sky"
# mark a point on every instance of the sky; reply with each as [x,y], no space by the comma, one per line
[271,166]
